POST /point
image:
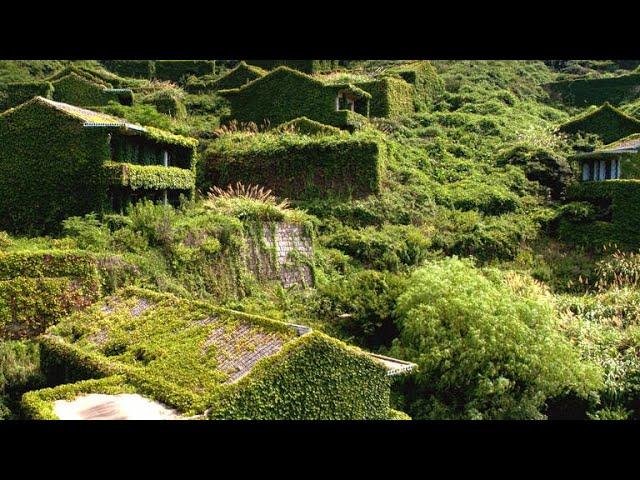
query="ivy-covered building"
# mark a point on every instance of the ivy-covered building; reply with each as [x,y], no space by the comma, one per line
[199,360]
[603,206]
[606,121]
[70,85]
[617,160]
[285,94]
[306,66]
[58,160]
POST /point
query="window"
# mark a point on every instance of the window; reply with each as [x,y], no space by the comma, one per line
[586,171]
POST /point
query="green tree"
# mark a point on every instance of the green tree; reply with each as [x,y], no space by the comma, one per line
[487,345]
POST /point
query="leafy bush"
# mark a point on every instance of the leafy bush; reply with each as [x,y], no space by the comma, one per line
[389,248]
[361,307]
[540,165]
[465,328]
[19,372]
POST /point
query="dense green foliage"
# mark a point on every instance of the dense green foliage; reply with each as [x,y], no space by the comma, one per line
[315,378]
[305,126]
[487,345]
[131,68]
[167,102]
[40,184]
[473,165]
[178,70]
[37,288]
[159,340]
[234,78]
[19,372]
[298,166]
[540,165]
[77,90]
[427,84]
[150,177]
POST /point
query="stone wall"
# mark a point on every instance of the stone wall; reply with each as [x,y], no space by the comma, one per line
[282,253]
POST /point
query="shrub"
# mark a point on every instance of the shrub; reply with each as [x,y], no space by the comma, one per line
[388,248]
[361,307]
[465,328]
[540,165]
[19,372]
[167,102]
[37,288]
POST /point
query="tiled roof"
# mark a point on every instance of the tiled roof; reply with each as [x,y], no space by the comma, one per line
[238,349]
[632,142]
[626,145]
[90,117]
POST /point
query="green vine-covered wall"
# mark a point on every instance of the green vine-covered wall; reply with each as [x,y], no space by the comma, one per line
[313,378]
[178,70]
[306,66]
[17,93]
[595,91]
[390,97]
[617,222]
[299,166]
[50,168]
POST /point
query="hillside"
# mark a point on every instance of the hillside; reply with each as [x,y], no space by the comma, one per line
[442,229]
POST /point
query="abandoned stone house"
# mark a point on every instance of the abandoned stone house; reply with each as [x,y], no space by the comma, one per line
[58,160]
[230,365]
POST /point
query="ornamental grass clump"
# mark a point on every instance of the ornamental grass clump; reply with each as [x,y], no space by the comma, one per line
[251,202]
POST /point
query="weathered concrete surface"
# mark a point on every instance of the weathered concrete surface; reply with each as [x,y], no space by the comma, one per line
[98,406]
[288,240]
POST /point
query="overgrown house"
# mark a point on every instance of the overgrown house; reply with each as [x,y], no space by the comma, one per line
[58,160]
[284,94]
[72,85]
[606,198]
[178,358]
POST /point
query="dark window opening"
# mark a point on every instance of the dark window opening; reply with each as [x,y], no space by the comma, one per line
[121,198]
[604,210]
